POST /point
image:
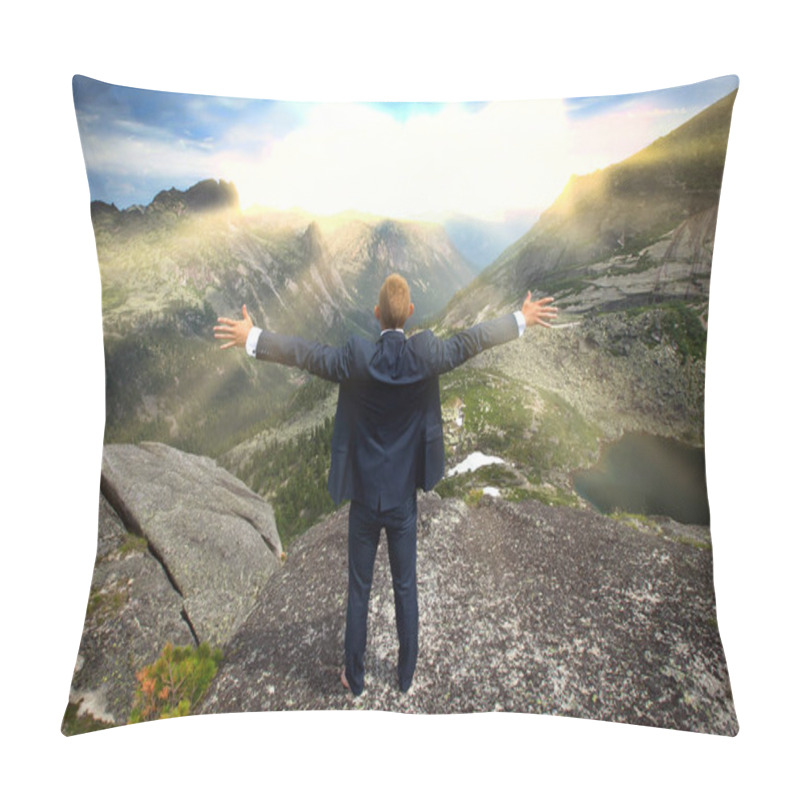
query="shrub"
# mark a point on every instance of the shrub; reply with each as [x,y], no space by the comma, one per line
[173,684]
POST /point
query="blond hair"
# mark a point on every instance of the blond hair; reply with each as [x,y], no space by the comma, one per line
[394,301]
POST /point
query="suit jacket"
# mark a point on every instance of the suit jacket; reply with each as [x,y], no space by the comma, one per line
[387,435]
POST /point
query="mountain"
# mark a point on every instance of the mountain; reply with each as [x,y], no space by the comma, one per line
[170,268]
[635,233]
[482,241]
[208,195]
[524,607]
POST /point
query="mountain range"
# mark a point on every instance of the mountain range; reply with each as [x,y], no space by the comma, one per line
[625,250]
[635,233]
[170,268]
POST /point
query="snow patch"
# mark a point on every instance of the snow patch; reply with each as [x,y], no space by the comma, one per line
[474,461]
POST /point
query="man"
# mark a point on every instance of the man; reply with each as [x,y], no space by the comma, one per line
[387,441]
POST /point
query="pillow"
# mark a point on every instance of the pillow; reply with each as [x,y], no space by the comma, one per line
[564,561]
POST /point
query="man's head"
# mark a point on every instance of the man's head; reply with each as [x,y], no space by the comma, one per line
[394,303]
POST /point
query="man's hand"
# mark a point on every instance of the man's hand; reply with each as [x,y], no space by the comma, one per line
[234,329]
[539,312]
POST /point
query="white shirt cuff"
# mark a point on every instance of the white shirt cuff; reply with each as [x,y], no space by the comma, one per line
[520,321]
[252,341]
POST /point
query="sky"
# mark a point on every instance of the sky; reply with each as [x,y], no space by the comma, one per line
[403,160]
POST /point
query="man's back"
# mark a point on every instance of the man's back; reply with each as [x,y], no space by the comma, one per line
[387,439]
[387,435]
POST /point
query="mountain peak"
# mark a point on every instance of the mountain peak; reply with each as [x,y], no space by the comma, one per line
[312,242]
[611,220]
[207,195]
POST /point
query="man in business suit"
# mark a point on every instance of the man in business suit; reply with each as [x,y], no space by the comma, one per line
[387,441]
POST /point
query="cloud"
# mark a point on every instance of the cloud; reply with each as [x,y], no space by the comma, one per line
[355,156]
[507,155]
[481,160]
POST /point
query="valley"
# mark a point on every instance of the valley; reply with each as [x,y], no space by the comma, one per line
[626,252]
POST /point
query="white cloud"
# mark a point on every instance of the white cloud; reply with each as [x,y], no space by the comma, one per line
[349,156]
[508,155]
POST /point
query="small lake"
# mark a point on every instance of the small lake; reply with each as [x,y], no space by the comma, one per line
[652,475]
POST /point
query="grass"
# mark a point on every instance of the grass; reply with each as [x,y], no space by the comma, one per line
[548,495]
[696,543]
[563,439]
[639,522]
[535,430]
[133,544]
[677,322]
[462,485]
[107,602]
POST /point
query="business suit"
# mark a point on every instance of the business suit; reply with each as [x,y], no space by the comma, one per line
[387,443]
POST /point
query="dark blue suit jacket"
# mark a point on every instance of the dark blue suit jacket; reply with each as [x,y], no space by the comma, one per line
[387,435]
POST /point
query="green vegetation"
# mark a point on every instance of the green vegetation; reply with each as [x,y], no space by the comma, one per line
[496,410]
[696,543]
[570,281]
[106,602]
[474,497]
[173,387]
[469,487]
[292,475]
[563,439]
[133,544]
[643,263]
[679,324]
[497,475]
[535,430]
[114,296]
[564,282]
[683,327]
[549,495]
[639,522]
[173,684]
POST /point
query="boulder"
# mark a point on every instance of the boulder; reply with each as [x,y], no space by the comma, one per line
[133,611]
[183,548]
[214,537]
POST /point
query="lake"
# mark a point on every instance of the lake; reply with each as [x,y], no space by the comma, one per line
[652,475]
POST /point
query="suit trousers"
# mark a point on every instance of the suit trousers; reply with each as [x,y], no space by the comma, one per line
[364,530]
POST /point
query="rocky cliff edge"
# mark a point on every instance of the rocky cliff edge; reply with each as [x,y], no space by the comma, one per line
[523,607]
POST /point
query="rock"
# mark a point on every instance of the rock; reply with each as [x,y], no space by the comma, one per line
[215,538]
[183,549]
[523,607]
[207,195]
[133,611]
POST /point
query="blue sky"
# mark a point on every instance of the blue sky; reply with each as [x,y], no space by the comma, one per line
[396,159]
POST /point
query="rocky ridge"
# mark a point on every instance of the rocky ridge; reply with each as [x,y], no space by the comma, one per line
[523,608]
[635,233]
[168,272]
[183,550]
[620,373]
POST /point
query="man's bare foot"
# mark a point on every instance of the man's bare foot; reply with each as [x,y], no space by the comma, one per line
[343,679]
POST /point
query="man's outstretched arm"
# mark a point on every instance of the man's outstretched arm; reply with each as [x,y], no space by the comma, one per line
[324,361]
[539,312]
[235,331]
[446,354]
